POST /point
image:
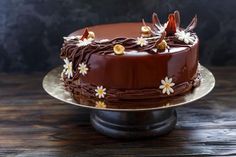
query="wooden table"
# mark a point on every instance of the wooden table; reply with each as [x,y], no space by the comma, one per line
[34,124]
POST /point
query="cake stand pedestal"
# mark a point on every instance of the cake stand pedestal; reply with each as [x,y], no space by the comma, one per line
[130,120]
[134,124]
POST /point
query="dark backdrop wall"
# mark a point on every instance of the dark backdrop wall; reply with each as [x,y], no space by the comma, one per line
[31,31]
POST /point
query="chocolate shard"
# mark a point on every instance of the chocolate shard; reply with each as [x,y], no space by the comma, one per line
[155,20]
[171,26]
[177,18]
[144,23]
[85,34]
[192,24]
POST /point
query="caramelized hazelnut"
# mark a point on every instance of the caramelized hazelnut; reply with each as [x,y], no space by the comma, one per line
[119,49]
[162,46]
[91,35]
[146,31]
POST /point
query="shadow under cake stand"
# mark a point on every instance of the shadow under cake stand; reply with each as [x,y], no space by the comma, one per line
[134,119]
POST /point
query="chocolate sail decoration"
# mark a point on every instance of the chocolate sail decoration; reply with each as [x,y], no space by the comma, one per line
[156,23]
[171,25]
[177,19]
[192,24]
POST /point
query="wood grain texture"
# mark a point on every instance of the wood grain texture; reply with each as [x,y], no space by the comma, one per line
[34,124]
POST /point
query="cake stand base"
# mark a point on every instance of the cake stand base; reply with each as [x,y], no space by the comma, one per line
[133,125]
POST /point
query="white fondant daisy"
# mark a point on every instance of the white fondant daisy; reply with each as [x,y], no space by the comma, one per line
[68,68]
[100,104]
[83,69]
[100,92]
[84,42]
[185,37]
[166,86]
[72,38]
[141,41]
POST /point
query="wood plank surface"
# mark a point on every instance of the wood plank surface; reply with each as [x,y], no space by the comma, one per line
[34,124]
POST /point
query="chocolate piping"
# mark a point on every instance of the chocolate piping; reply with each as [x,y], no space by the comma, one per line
[123,94]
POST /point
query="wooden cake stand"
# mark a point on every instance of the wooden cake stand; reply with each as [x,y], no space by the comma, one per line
[134,119]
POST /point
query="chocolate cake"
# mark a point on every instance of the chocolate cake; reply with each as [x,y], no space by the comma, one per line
[132,61]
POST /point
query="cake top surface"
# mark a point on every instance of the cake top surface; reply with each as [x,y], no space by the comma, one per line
[124,30]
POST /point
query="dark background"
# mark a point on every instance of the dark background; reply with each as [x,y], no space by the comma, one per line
[31,31]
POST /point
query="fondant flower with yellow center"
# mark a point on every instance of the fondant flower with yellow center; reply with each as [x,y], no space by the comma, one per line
[100,92]
[167,85]
[85,42]
[141,41]
[83,69]
[68,68]
[100,104]
[185,37]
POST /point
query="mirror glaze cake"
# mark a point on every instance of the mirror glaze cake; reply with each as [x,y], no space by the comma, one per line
[132,61]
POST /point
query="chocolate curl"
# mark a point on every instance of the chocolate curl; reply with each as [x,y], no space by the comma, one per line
[155,20]
[177,18]
[144,23]
[171,26]
[192,24]
[85,34]
[163,35]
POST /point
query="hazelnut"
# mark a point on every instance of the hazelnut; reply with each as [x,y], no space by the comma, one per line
[146,31]
[91,35]
[119,49]
[162,46]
